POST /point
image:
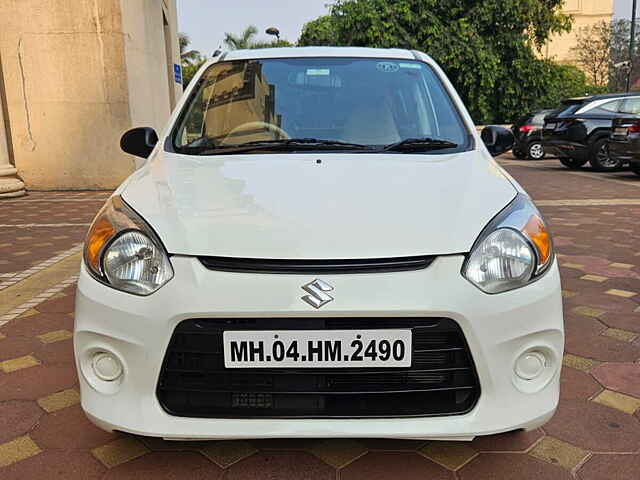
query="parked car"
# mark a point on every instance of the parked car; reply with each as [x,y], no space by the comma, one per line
[528,134]
[624,145]
[319,245]
[578,132]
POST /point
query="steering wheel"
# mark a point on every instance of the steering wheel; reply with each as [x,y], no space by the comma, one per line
[274,130]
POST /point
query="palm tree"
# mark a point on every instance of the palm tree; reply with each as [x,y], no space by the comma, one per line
[187,56]
[191,60]
[243,41]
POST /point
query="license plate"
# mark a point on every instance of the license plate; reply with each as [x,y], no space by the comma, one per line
[622,131]
[317,348]
[550,126]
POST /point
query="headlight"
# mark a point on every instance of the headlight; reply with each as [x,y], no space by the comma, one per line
[122,251]
[512,251]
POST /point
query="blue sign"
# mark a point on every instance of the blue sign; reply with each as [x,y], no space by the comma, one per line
[178,72]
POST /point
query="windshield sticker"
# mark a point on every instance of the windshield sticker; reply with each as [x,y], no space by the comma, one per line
[387,67]
[415,66]
[313,72]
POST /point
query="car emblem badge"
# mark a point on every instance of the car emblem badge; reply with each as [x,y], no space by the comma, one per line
[317,293]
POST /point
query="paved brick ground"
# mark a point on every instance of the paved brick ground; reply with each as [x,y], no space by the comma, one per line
[594,436]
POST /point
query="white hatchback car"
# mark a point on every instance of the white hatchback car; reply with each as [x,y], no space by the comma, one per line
[319,245]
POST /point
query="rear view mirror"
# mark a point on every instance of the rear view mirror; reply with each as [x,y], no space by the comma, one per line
[139,141]
[497,139]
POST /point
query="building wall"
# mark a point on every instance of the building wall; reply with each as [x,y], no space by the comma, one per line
[585,13]
[76,75]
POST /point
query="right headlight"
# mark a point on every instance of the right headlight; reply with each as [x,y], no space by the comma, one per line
[122,251]
[512,251]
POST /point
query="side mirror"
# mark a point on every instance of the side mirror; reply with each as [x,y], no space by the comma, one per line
[497,139]
[139,141]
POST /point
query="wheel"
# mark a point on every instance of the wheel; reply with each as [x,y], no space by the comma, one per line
[635,168]
[519,154]
[572,163]
[600,159]
[535,151]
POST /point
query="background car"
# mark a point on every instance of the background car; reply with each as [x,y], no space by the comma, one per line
[578,132]
[528,134]
[624,144]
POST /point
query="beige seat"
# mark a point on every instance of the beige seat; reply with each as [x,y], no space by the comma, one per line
[372,123]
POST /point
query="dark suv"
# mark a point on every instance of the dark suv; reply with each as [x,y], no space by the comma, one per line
[578,132]
[528,133]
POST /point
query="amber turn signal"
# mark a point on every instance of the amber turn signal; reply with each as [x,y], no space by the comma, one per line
[537,232]
[101,232]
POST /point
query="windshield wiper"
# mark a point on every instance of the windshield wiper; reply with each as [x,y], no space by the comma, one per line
[289,144]
[286,142]
[419,145]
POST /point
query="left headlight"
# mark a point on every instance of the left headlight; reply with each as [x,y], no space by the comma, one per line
[512,251]
[122,251]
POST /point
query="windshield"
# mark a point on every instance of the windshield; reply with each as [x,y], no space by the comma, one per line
[367,103]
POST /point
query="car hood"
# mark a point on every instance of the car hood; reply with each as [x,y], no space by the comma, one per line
[328,206]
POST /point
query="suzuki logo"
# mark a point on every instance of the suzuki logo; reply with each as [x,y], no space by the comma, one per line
[317,296]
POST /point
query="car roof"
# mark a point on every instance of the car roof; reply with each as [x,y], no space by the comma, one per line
[603,96]
[306,52]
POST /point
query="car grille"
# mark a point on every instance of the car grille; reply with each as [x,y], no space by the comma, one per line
[194,382]
[307,267]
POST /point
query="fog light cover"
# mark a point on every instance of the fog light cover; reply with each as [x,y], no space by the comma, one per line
[530,365]
[106,366]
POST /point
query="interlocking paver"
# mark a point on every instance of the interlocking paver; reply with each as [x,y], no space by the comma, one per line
[56,336]
[15,364]
[609,467]
[281,465]
[119,451]
[622,335]
[170,465]
[619,401]
[225,453]
[620,377]
[58,401]
[510,465]
[338,452]
[451,455]
[17,418]
[385,465]
[578,362]
[558,452]
[594,427]
[16,450]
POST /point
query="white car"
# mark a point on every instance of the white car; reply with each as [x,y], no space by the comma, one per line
[319,245]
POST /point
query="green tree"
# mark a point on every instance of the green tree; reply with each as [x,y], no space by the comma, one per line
[242,41]
[246,40]
[487,47]
[191,60]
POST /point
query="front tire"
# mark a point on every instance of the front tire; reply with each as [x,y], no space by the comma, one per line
[600,159]
[572,163]
[635,168]
[535,151]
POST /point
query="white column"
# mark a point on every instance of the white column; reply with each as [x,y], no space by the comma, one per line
[10,185]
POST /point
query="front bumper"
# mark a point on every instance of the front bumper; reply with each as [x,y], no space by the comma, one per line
[498,329]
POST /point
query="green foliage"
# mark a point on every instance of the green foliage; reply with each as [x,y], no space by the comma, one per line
[246,40]
[191,60]
[486,47]
[271,44]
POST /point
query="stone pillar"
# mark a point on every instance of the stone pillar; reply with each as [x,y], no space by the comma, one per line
[10,185]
